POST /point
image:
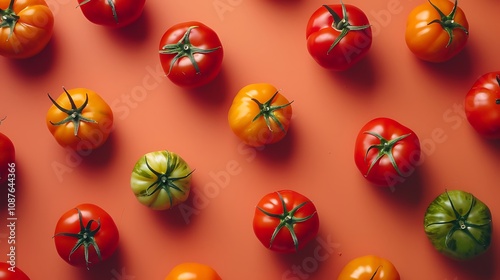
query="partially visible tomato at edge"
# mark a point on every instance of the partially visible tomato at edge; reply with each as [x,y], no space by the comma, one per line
[112,13]
[369,267]
[192,271]
[7,157]
[9,272]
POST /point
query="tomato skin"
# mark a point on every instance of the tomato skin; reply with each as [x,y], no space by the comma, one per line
[31,32]
[482,105]
[429,42]
[292,206]
[244,109]
[106,237]
[193,271]
[191,40]
[369,267]
[406,152]
[7,156]
[6,274]
[322,31]
[90,135]
[101,12]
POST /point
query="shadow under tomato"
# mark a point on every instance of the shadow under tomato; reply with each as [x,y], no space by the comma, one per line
[38,65]
[137,32]
[180,216]
[362,75]
[101,156]
[109,269]
[278,152]
[212,95]
[481,267]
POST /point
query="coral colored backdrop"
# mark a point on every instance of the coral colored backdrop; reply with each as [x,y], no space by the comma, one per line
[264,41]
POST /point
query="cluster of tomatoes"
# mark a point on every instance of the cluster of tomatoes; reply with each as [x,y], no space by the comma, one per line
[338,36]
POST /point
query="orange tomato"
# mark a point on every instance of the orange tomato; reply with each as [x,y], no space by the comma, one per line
[260,115]
[26,27]
[193,271]
[369,267]
[80,119]
[437,30]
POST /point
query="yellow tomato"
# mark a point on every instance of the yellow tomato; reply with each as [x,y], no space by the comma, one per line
[193,271]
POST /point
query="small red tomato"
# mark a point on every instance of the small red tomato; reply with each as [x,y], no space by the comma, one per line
[112,13]
[285,221]
[482,105]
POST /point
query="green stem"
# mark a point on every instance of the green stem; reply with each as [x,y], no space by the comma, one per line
[9,18]
[447,22]
[267,110]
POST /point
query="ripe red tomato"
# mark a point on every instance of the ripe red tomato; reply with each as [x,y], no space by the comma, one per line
[86,235]
[482,105]
[26,27]
[436,30]
[369,267]
[193,271]
[338,36]
[386,152]
[285,221]
[8,272]
[7,157]
[191,54]
[113,13]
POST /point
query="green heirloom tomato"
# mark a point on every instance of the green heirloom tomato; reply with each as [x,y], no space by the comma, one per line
[161,180]
[458,225]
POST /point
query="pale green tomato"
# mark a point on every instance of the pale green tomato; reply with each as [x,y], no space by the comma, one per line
[161,180]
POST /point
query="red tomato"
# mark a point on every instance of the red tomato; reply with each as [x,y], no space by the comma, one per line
[9,272]
[193,271]
[26,27]
[482,105]
[386,152]
[338,36]
[285,221]
[369,268]
[86,235]
[191,54]
[7,158]
[436,30]
[113,13]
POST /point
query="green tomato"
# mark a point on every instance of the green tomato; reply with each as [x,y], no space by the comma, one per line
[458,225]
[161,180]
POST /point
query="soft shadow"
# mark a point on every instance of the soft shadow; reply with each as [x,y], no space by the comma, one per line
[105,270]
[101,156]
[362,75]
[457,68]
[182,215]
[481,267]
[211,95]
[137,32]
[280,151]
[38,65]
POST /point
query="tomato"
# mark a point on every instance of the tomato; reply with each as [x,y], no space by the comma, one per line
[80,119]
[285,221]
[193,271]
[458,225]
[9,272]
[26,27]
[161,180]
[260,115]
[86,235]
[7,158]
[338,36]
[113,13]
[482,105]
[436,30]
[386,152]
[369,267]
[191,54]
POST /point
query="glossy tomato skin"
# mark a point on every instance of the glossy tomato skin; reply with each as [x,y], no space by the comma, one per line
[378,141]
[430,41]
[6,272]
[458,225]
[104,233]
[30,33]
[101,12]
[285,213]
[191,54]
[193,271]
[482,105]
[161,180]
[7,158]
[94,122]
[322,31]
[369,267]
[250,108]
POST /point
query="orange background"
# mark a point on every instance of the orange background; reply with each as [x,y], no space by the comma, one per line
[264,41]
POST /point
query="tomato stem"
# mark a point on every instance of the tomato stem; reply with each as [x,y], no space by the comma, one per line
[9,18]
[384,149]
[447,22]
[375,273]
[267,111]
[111,4]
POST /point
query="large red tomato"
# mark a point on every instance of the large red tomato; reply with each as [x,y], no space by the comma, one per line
[113,13]
[9,272]
[191,54]
[86,235]
[482,105]
[285,221]
[338,36]
[386,152]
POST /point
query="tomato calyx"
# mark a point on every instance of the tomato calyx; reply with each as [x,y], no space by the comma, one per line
[84,238]
[342,24]
[74,114]
[447,22]
[267,112]
[111,4]
[384,149]
[9,18]
[184,48]
[287,219]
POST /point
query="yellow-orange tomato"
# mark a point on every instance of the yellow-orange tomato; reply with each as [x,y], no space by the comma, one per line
[436,30]
[193,271]
[369,267]
[26,27]
[260,115]
[80,119]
